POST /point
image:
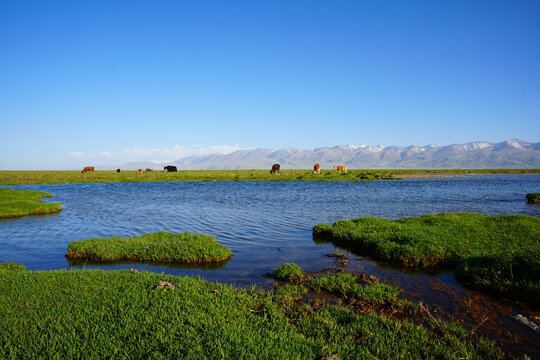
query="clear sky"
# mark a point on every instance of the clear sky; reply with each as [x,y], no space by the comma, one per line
[106,82]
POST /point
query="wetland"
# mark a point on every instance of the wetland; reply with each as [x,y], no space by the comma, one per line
[267,224]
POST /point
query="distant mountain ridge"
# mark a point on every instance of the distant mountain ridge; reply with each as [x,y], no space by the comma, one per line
[513,153]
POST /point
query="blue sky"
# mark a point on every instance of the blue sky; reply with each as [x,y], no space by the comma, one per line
[106,82]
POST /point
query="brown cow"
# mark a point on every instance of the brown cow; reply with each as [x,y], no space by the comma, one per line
[87,169]
[317,169]
[275,168]
[149,170]
[140,171]
[341,168]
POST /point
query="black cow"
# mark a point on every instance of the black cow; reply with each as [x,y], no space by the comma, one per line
[117,170]
[275,168]
[170,168]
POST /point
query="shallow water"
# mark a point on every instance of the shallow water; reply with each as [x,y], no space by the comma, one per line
[268,223]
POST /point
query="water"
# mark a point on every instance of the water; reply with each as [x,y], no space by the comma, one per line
[267,224]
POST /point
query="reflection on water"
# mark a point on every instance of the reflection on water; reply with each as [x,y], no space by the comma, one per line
[131,264]
[264,223]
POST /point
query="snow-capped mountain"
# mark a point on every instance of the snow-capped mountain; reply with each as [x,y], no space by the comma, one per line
[513,153]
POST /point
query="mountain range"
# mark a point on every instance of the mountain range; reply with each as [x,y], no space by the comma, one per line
[512,153]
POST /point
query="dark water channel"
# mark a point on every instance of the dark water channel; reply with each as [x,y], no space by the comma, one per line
[269,223]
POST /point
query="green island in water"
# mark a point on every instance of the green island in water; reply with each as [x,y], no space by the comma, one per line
[157,247]
[15,203]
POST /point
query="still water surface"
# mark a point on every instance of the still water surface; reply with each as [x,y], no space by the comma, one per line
[266,224]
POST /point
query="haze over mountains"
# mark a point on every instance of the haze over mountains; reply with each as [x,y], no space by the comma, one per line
[512,153]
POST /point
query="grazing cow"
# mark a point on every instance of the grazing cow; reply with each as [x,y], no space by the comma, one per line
[87,169]
[341,168]
[275,168]
[117,170]
[149,170]
[170,168]
[317,169]
[140,171]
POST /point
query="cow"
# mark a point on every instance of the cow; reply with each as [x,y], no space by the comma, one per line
[149,170]
[170,168]
[341,168]
[317,169]
[87,169]
[140,171]
[117,170]
[275,168]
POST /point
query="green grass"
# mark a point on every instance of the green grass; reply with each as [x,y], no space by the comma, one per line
[14,203]
[94,314]
[16,177]
[499,254]
[533,198]
[159,247]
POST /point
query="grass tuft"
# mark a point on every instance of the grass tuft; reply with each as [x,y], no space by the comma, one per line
[289,272]
[10,266]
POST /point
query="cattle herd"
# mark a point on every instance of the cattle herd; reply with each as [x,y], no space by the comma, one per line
[316,168]
[171,168]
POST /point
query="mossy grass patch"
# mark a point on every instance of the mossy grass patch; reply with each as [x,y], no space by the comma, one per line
[507,246]
[15,203]
[156,247]
[126,314]
[533,198]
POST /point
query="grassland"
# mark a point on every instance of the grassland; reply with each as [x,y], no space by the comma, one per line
[497,254]
[60,177]
[106,176]
[95,314]
[14,203]
[533,198]
[157,247]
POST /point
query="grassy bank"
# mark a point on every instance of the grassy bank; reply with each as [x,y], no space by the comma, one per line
[14,203]
[61,177]
[126,314]
[499,254]
[159,247]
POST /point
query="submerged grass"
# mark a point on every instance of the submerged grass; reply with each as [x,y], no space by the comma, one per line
[126,314]
[160,247]
[500,254]
[14,203]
